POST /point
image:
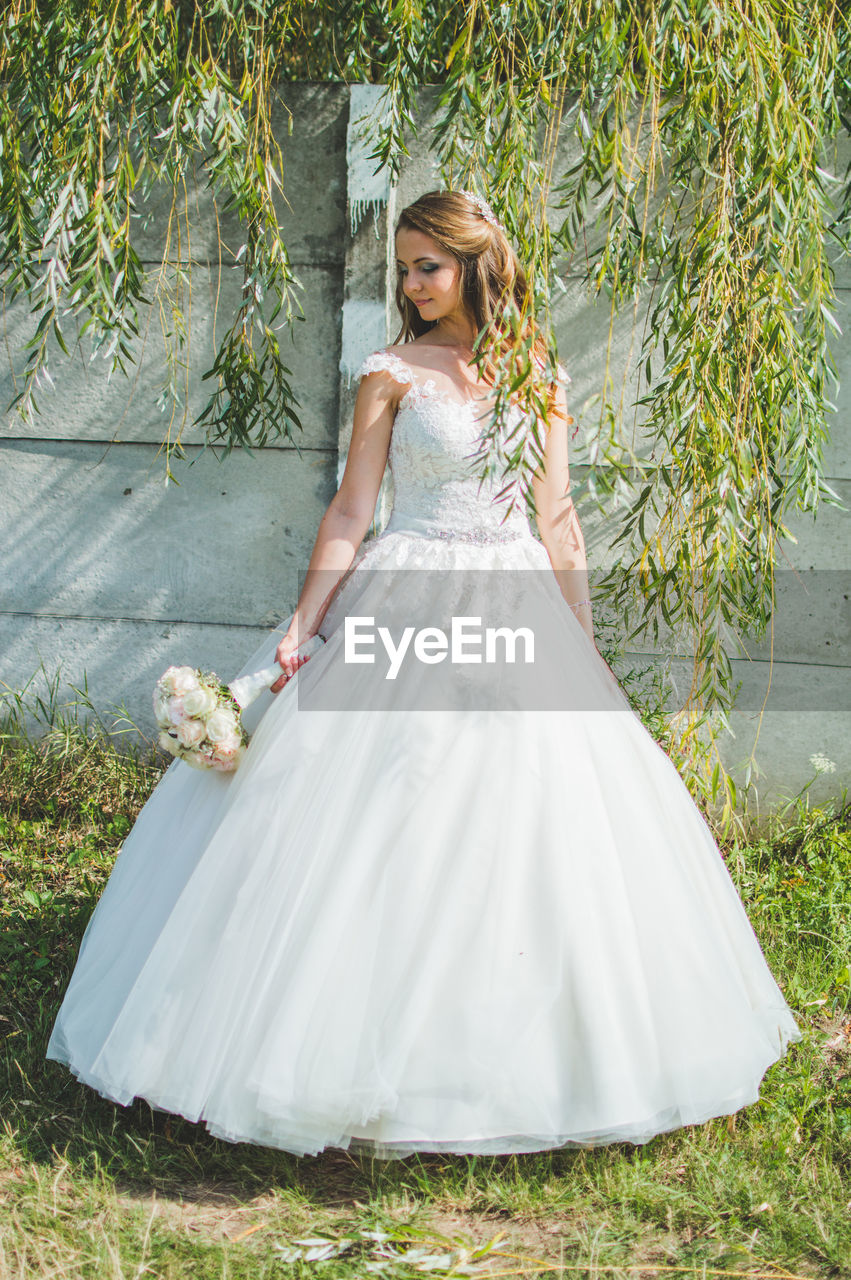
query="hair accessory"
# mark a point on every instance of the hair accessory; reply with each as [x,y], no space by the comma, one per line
[483,208]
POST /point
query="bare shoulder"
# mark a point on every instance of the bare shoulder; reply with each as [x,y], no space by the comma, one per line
[401,350]
[412,353]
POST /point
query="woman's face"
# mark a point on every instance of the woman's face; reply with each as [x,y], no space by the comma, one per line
[430,276]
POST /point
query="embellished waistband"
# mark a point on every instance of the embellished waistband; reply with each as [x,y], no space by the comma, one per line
[480,535]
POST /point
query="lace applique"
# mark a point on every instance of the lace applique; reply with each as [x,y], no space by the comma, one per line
[391,363]
[388,362]
[432,456]
[401,372]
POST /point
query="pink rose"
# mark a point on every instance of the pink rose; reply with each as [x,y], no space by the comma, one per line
[190,733]
[176,711]
[227,748]
[221,766]
[184,680]
[178,679]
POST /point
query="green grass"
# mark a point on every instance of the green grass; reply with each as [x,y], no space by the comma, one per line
[89,1189]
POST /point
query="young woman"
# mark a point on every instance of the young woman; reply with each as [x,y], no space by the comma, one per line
[450,912]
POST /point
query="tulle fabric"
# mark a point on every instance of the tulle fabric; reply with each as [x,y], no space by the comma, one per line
[463,930]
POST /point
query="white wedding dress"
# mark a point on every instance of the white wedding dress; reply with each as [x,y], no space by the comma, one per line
[464,930]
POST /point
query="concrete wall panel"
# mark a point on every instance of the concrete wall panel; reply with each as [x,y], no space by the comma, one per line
[95,532]
[87,403]
[312,214]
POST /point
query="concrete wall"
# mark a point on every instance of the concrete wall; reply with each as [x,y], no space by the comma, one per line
[110,574]
[107,570]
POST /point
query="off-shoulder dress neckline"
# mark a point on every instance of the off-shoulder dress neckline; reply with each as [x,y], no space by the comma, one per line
[393,363]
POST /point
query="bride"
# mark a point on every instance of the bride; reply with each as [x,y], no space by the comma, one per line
[458,911]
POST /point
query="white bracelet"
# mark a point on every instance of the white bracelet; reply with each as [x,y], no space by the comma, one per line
[577,603]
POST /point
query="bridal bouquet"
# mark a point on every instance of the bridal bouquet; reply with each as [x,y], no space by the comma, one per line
[198,718]
[199,715]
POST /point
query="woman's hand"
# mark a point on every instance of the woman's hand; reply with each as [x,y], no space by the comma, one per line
[290,659]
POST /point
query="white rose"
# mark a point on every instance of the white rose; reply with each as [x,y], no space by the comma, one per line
[191,733]
[161,709]
[198,759]
[169,743]
[221,725]
[166,680]
[200,701]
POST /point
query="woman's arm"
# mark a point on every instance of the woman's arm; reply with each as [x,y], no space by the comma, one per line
[348,517]
[558,523]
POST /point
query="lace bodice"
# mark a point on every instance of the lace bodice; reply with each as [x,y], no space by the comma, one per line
[437,487]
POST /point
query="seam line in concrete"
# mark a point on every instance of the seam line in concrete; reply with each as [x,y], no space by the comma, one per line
[172,622]
[151,444]
[277,448]
[778,662]
[259,626]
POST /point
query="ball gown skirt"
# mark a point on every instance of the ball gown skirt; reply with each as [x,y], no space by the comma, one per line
[460,930]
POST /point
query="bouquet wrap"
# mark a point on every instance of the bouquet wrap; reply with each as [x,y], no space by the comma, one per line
[246,688]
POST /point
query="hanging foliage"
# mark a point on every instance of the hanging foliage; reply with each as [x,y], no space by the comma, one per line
[698,185]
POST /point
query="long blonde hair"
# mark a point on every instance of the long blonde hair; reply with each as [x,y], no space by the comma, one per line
[494,286]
